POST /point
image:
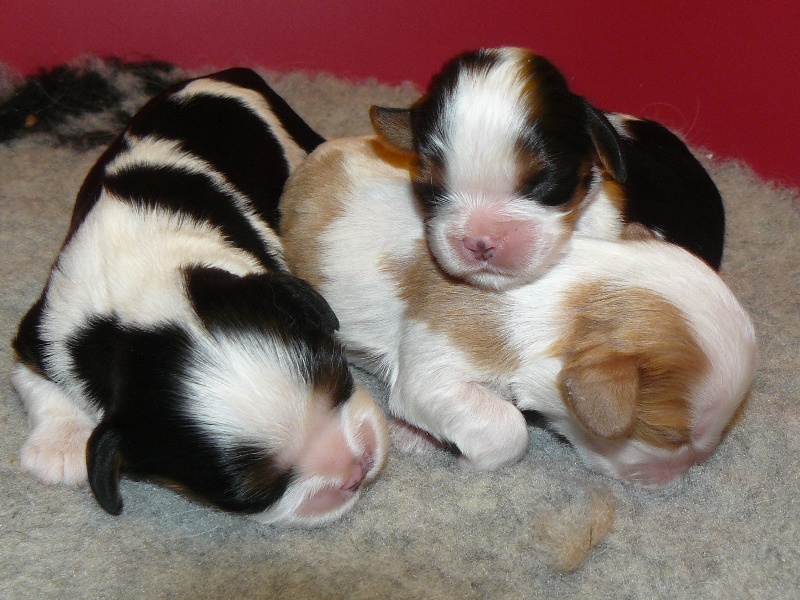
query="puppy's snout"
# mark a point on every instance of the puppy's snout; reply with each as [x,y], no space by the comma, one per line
[489,242]
[358,473]
[482,248]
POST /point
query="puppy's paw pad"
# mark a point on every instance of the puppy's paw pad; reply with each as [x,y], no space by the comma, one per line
[57,454]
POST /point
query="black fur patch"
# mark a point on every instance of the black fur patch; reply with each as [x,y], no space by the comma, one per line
[136,376]
[229,136]
[28,343]
[301,132]
[669,190]
[277,302]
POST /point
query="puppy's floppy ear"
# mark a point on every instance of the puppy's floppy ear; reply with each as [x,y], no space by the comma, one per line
[279,298]
[302,294]
[607,143]
[602,392]
[393,126]
[103,461]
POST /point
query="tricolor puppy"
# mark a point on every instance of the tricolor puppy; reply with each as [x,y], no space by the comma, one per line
[509,163]
[635,351]
[171,342]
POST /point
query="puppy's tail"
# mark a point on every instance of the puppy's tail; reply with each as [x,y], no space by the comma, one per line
[103,461]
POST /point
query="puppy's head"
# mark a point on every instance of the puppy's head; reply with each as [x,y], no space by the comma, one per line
[253,409]
[505,156]
[650,390]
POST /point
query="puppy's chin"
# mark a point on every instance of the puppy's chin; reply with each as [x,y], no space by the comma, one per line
[300,505]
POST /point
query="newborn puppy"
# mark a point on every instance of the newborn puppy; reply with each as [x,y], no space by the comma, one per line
[635,351]
[171,342]
[510,163]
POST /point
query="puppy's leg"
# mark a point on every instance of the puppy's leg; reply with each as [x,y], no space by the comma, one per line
[493,433]
[55,451]
[489,431]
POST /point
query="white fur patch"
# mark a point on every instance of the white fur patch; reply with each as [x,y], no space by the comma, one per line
[55,450]
[265,399]
[482,122]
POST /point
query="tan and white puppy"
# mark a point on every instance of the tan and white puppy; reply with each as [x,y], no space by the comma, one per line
[509,163]
[635,351]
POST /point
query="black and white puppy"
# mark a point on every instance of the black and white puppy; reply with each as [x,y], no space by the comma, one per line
[510,163]
[171,342]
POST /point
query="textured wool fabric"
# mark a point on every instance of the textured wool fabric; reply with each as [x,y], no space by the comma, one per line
[426,529]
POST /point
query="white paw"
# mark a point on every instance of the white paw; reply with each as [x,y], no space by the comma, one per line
[500,439]
[55,452]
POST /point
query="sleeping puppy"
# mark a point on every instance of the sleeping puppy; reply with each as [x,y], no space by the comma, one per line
[635,351]
[510,163]
[171,342]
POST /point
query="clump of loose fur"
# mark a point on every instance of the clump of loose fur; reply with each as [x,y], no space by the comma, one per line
[565,537]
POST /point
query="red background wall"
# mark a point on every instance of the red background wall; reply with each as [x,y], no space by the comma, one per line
[725,74]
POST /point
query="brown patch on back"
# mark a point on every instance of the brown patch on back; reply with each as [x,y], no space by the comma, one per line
[630,363]
[311,201]
[317,191]
[472,318]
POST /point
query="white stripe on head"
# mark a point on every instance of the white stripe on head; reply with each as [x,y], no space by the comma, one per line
[247,389]
[482,122]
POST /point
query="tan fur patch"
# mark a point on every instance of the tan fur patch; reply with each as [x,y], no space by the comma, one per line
[574,208]
[630,363]
[637,232]
[527,72]
[470,317]
[311,201]
[615,192]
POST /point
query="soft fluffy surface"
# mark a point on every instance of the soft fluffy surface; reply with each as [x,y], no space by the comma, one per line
[729,529]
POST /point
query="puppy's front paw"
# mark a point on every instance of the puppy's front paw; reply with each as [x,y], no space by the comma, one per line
[499,439]
[55,452]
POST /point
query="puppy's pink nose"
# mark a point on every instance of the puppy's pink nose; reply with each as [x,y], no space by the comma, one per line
[359,472]
[482,248]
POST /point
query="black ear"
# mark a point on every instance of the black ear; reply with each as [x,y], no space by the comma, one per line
[393,126]
[607,142]
[300,293]
[277,298]
[103,460]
